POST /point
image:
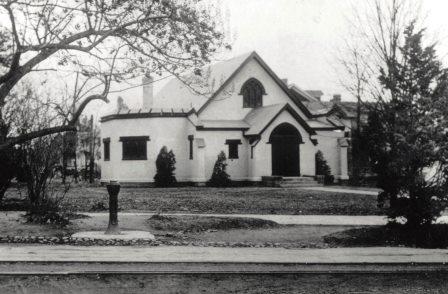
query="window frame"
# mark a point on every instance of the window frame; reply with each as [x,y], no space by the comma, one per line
[106,142]
[233,148]
[252,92]
[141,139]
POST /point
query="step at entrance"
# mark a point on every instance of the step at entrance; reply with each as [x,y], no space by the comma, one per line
[290,182]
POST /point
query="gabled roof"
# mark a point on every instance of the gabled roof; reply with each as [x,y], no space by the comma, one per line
[315,93]
[260,118]
[313,105]
[347,109]
[215,79]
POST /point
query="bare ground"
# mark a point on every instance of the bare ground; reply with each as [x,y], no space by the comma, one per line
[228,283]
[182,228]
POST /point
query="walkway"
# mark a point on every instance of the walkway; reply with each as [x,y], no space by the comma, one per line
[324,220]
[316,220]
[189,254]
[350,190]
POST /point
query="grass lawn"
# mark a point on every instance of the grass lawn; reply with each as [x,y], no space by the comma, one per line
[242,200]
[228,283]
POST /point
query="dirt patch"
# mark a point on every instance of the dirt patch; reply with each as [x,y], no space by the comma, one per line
[390,235]
[306,236]
[191,223]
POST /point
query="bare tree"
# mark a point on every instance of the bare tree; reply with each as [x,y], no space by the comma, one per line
[371,48]
[373,45]
[108,39]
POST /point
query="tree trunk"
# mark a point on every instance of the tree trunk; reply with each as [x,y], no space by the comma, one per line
[91,147]
[75,172]
[64,158]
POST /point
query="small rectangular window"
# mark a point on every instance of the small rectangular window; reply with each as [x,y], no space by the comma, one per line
[134,148]
[191,138]
[106,143]
[233,148]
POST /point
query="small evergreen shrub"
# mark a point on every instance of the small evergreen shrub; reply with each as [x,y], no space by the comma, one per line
[220,178]
[165,164]
[322,168]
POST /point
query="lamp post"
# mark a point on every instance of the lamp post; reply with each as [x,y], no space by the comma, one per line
[113,188]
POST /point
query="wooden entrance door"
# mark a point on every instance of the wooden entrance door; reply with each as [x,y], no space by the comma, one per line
[285,140]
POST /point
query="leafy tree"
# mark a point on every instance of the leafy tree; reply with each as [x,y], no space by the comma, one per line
[323,169]
[165,164]
[407,133]
[220,178]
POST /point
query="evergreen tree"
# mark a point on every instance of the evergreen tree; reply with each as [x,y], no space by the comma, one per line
[220,178]
[323,169]
[165,164]
[408,133]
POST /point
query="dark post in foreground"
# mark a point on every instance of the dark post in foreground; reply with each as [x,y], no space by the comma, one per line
[113,188]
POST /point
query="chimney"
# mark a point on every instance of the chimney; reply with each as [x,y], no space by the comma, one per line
[336,98]
[148,99]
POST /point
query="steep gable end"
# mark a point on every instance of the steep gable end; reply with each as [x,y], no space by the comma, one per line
[277,80]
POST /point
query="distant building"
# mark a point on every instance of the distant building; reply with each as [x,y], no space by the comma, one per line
[265,126]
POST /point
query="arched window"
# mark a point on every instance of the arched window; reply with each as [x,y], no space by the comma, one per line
[252,92]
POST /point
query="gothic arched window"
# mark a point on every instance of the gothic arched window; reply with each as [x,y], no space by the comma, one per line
[252,92]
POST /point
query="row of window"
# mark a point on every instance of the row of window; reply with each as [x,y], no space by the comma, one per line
[134,148]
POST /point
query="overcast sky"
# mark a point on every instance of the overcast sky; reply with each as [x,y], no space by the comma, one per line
[298,39]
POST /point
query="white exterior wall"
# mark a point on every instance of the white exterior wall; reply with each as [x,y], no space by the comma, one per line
[229,104]
[328,144]
[215,143]
[171,132]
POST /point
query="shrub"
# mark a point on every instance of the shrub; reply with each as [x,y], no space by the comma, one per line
[323,169]
[39,161]
[48,211]
[220,178]
[7,171]
[165,164]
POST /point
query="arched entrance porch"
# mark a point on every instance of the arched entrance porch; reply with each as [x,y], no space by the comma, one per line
[285,140]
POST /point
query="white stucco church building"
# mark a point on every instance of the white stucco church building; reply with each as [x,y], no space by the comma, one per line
[264,125]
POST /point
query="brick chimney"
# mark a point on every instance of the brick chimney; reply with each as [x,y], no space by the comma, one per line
[148,88]
[336,98]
